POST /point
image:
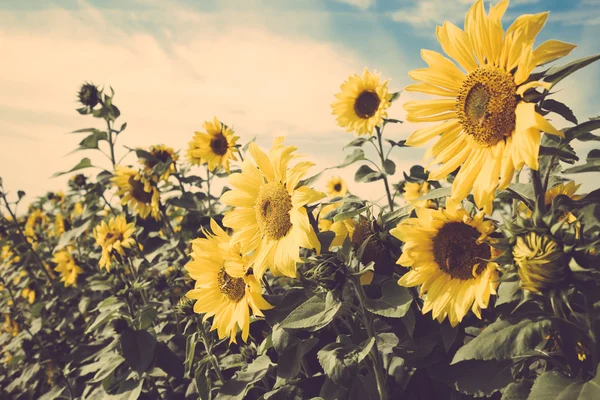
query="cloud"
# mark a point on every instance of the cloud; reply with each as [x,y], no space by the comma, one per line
[362,4]
[167,84]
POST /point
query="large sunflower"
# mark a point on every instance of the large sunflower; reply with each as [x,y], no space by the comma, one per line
[65,264]
[160,154]
[270,217]
[362,103]
[214,147]
[489,129]
[448,252]
[136,191]
[114,237]
[223,289]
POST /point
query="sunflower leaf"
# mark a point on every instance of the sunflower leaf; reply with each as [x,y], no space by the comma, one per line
[592,164]
[560,109]
[138,349]
[558,73]
[367,174]
[504,339]
[518,390]
[237,387]
[394,302]
[84,163]
[313,314]
[582,131]
[477,378]
[555,385]
[436,194]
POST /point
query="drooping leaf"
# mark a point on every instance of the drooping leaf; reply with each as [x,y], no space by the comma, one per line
[367,174]
[560,109]
[592,164]
[554,385]
[518,390]
[394,302]
[237,387]
[340,360]
[313,314]
[558,73]
[138,349]
[504,339]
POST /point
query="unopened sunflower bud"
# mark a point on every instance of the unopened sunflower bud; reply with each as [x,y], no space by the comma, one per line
[366,238]
[185,306]
[89,95]
[327,274]
[540,261]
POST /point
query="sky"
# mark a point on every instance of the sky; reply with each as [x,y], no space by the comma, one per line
[266,68]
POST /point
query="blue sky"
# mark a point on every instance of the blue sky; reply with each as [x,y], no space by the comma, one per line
[267,68]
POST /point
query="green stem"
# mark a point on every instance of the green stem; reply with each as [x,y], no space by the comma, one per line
[171,231]
[208,177]
[111,143]
[374,354]
[382,158]
[538,189]
[208,347]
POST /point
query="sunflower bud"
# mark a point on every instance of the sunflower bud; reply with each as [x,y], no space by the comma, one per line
[366,238]
[185,306]
[89,95]
[541,262]
[325,273]
[79,180]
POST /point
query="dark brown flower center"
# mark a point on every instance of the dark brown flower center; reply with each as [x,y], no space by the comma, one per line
[366,104]
[486,105]
[337,187]
[273,206]
[160,156]
[112,237]
[219,144]
[138,192]
[456,250]
[233,288]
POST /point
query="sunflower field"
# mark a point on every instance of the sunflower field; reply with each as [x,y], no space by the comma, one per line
[477,275]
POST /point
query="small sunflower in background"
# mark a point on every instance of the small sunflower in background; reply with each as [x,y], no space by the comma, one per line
[66,266]
[567,189]
[223,290]
[336,187]
[28,294]
[114,237]
[448,254]
[414,190]
[59,225]
[362,103]
[35,222]
[489,129]
[342,229]
[136,191]
[215,147]
[160,154]
[270,217]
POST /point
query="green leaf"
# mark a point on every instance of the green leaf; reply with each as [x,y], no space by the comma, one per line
[91,141]
[237,387]
[558,73]
[395,96]
[478,378]
[392,121]
[505,339]
[138,349]
[564,153]
[518,390]
[436,194]
[358,142]
[340,360]
[367,174]
[146,317]
[389,166]
[314,314]
[168,361]
[70,235]
[580,131]
[399,143]
[554,385]
[190,352]
[290,360]
[394,302]
[560,109]
[84,163]
[88,130]
[592,164]
[349,214]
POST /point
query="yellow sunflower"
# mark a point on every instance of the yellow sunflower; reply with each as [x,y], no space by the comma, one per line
[35,221]
[414,190]
[336,187]
[567,189]
[270,216]
[342,229]
[65,264]
[222,289]
[59,225]
[362,103]
[139,193]
[447,252]
[28,294]
[214,147]
[160,154]
[114,237]
[489,130]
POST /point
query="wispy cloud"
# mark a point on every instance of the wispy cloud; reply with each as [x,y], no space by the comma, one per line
[362,4]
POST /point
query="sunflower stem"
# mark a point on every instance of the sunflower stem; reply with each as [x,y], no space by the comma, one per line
[208,347]
[111,143]
[382,158]
[374,354]
[538,190]
[208,177]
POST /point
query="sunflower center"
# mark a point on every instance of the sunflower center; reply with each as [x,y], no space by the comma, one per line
[486,105]
[233,288]
[138,192]
[160,156]
[219,144]
[273,206]
[366,104]
[112,237]
[337,187]
[456,250]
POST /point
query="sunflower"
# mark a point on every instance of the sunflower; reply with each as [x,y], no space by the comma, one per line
[336,187]
[541,262]
[160,154]
[214,147]
[35,220]
[567,189]
[342,229]
[489,129]
[28,294]
[59,225]
[138,192]
[113,237]
[414,190]
[447,251]
[223,289]
[362,103]
[65,264]
[270,217]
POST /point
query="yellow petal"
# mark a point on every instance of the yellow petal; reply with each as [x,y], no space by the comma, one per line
[551,50]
